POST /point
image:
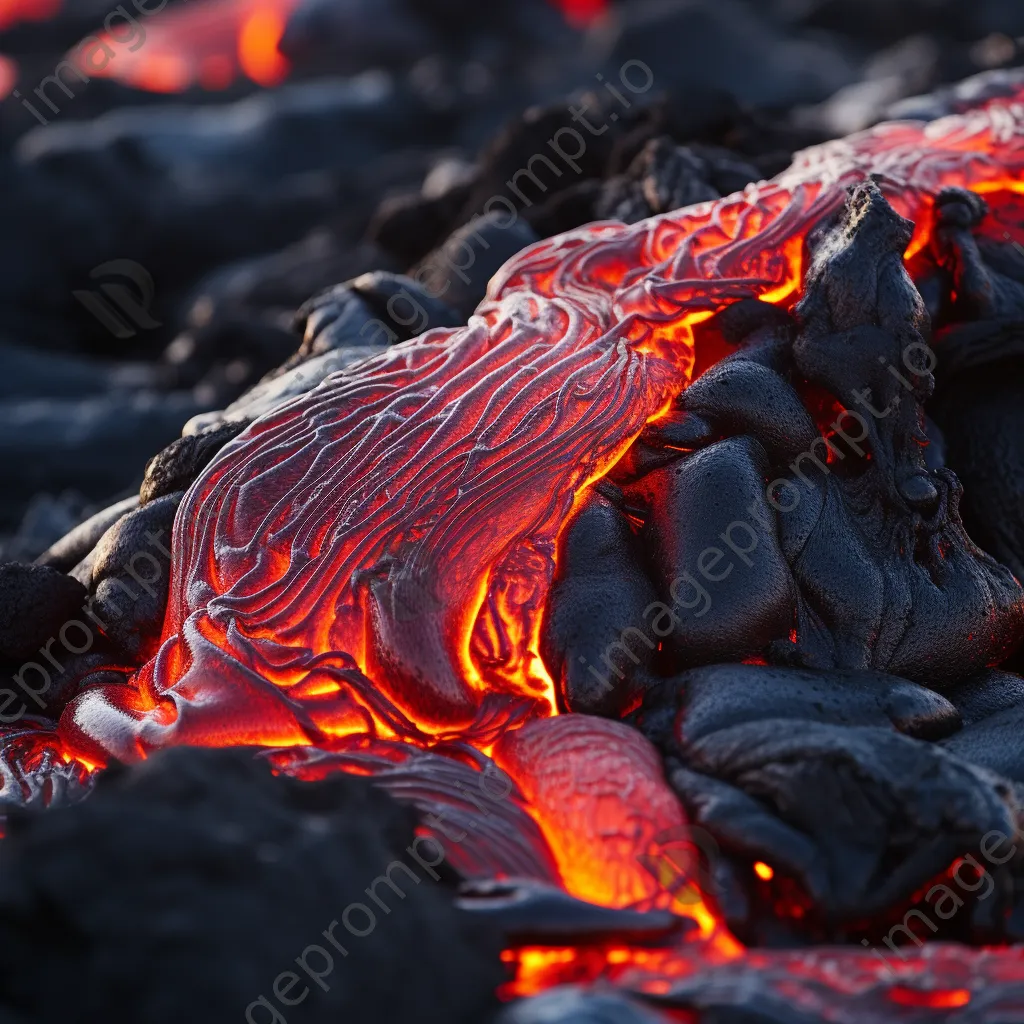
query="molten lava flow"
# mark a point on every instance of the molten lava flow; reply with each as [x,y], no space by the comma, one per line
[582,12]
[257,46]
[369,563]
[839,985]
[207,44]
[600,798]
[8,76]
[374,557]
[13,11]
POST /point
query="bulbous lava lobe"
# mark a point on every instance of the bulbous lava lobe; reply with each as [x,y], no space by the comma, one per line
[597,790]
[448,465]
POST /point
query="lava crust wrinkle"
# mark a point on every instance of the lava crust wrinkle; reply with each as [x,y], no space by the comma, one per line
[375,556]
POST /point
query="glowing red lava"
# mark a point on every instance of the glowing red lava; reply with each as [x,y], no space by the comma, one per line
[210,43]
[374,557]
[370,561]
[13,11]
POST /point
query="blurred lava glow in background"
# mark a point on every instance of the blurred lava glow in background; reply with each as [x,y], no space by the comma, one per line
[208,43]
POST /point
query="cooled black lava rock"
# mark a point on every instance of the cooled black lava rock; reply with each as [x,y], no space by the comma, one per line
[185,888]
[665,177]
[409,226]
[398,34]
[986,694]
[35,602]
[861,816]
[740,395]
[566,209]
[958,97]
[354,36]
[181,462]
[273,286]
[75,545]
[979,399]
[164,188]
[46,519]
[531,913]
[979,403]
[339,327]
[590,640]
[458,272]
[224,354]
[337,317]
[30,373]
[992,708]
[520,169]
[97,444]
[127,575]
[822,544]
[729,45]
[405,307]
[368,312]
[809,773]
[987,275]
[909,66]
[993,743]
[687,708]
[724,603]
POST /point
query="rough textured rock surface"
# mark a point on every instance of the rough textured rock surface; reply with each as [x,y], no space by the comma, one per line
[994,743]
[459,270]
[75,545]
[590,643]
[826,789]
[987,694]
[854,556]
[200,864]
[664,177]
[35,602]
[718,697]
[178,465]
[127,575]
[979,395]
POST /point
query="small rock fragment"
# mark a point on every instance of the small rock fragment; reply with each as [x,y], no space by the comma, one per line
[35,602]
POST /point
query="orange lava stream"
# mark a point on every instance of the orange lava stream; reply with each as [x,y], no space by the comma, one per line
[209,43]
[374,557]
[8,76]
[928,980]
[13,11]
[370,561]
